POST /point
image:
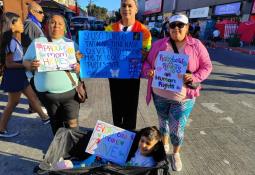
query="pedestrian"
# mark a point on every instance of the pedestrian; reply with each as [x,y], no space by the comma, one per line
[55,88]
[165,26]
[125,92]
[174,108]
[196,30]
[215,38]
[32,30]
[14,80]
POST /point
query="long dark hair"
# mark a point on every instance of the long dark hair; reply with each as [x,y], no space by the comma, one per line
[6,21]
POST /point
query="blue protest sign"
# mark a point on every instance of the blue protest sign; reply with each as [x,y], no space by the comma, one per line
[110,142]
[169,71]
[110,54]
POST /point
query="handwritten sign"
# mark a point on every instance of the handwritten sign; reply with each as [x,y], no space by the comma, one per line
[169,71]
[55,56]
[110,54]
[110,142]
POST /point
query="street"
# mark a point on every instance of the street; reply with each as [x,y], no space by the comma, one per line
[220,136]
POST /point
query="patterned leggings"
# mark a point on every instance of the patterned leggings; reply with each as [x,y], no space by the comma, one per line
[173,117]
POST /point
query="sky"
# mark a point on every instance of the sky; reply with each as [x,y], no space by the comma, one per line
[108,4]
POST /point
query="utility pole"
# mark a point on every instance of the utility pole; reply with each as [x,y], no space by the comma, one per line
[76,7]
[90,4]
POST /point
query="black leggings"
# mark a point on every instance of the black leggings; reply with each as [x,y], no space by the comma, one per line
[61,108]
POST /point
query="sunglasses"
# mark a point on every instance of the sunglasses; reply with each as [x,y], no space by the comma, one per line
[174,24]
[39,11]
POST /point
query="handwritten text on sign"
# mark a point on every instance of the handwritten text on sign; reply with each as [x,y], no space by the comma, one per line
[110,142]
[55,56]
[169,71]
[110,54]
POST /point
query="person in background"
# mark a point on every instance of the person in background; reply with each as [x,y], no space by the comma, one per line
[215,38]
[125,92]
[174,108]
[55,88]
[196,30]
[164,30]
[32,30]
[14,80]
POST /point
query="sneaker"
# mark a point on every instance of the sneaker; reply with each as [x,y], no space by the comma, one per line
[167,148]
[6,134]
[46,121]
[176,162]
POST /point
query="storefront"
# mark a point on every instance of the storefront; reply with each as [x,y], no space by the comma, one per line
[201,15]
[228,16]
[227,10]
[153,10]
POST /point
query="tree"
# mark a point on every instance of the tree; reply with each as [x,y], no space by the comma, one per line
[99,12]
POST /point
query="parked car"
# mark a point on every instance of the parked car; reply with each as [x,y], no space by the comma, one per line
[99,25]
[155,28]
[81,23]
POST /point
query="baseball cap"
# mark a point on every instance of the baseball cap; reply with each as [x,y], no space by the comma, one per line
[179,18]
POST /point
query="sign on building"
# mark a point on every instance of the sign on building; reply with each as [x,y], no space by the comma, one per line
[233,8]
[152,6]
[199,13]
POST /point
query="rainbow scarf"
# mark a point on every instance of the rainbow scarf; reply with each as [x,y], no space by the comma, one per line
[138,27]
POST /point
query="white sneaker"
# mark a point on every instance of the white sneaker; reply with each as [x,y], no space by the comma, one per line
[176,162]
[167,148]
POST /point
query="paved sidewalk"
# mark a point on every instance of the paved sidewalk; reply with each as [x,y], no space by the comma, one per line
[246,49]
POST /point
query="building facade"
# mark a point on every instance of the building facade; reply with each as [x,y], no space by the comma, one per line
[204,8]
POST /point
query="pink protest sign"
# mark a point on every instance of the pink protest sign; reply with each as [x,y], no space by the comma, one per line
[110,142]
[55,56]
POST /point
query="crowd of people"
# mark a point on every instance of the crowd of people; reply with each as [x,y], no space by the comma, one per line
[173,108]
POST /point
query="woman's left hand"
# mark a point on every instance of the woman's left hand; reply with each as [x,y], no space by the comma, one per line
[187,78]
[77,68]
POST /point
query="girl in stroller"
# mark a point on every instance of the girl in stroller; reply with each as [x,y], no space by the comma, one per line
[148,143]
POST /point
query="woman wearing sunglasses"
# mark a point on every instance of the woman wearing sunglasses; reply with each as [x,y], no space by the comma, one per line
[174,108]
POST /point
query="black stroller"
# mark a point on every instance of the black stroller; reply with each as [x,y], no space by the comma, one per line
[70,144]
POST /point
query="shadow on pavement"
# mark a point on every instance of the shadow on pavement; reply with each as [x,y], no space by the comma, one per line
[24,167]
[230,58]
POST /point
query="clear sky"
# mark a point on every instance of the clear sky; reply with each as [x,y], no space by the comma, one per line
[108,4]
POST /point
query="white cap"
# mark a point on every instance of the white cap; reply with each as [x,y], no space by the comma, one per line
[179,18]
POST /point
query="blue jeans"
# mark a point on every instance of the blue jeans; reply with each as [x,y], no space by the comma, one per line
[173,117]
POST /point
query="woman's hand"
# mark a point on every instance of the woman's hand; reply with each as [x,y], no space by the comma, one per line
[78,55]
[187,78]
[150,73]
[34,64]
[77,68]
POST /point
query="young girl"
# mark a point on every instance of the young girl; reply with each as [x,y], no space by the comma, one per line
[14,79]
[148,145]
